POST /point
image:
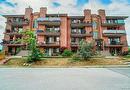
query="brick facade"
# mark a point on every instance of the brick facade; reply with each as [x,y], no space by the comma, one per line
[56,32]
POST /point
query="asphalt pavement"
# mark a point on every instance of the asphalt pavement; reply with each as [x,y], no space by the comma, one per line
[64,78]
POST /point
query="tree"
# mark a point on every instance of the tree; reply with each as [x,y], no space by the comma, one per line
[29,39]
[35,54]
[85,50]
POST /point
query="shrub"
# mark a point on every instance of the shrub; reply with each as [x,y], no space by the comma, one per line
[67,53]
[125,53]
[86,50]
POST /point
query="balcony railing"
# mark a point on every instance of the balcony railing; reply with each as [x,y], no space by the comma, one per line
[14,32]
[114,32]
[80,25]
[49,21]
[52,30]
[18,23]
[118,23]
[49,44]
[80,33]
[12,43]
[74,44]
[115,44]
[48,32]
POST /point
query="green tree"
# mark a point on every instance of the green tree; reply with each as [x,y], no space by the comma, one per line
[85,50]
[29,39]
[35,54]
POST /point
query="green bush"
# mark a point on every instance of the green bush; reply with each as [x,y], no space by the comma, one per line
[86,50]
[67,53]
[129,51]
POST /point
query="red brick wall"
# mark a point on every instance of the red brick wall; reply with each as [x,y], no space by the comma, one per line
[64,36]
[102,14]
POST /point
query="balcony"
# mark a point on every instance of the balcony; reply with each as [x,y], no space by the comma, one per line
[114,44]
[49,21]
[49,44]
[80,25]
[116,23]
[81,34]
[114,33]
[11,33]
[12,43]
[48,33]
[74,44]
[18,23]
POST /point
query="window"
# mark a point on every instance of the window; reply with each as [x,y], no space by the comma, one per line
[114,41]
[57,39]
[73,39]
[120,21]
[56,50]
[76,21]
[73,30]
[95,35]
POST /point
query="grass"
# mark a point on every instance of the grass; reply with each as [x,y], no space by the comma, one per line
[16,62]
[19,62]
[126,58]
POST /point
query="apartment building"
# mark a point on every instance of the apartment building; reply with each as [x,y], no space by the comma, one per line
[56,32]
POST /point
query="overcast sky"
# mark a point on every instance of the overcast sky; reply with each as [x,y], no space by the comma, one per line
[72,7]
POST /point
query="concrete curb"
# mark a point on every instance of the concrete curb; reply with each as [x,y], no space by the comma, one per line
[103,66]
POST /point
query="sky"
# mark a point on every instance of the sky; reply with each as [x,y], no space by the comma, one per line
[71,7]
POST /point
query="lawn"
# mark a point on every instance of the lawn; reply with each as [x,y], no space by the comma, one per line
[63,62]
[126,58]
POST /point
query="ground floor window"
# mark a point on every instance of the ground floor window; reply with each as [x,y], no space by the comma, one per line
[115,51]
[52,51]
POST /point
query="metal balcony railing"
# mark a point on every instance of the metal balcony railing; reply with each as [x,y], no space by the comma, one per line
[74,44]
[115,44]
[51,19]
[114,32]
[48,32]
[12,43]
[18,22]
[50,44]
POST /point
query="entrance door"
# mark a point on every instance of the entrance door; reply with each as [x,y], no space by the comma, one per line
[99,44]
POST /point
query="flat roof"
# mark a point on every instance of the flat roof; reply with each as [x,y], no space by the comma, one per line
[117,17]
[72,17]
[78,17]
[53,15]
[12,16]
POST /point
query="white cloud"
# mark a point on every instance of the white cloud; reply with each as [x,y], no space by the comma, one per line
[117,7]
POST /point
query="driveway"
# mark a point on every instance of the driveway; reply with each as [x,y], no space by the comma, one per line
[65,79]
